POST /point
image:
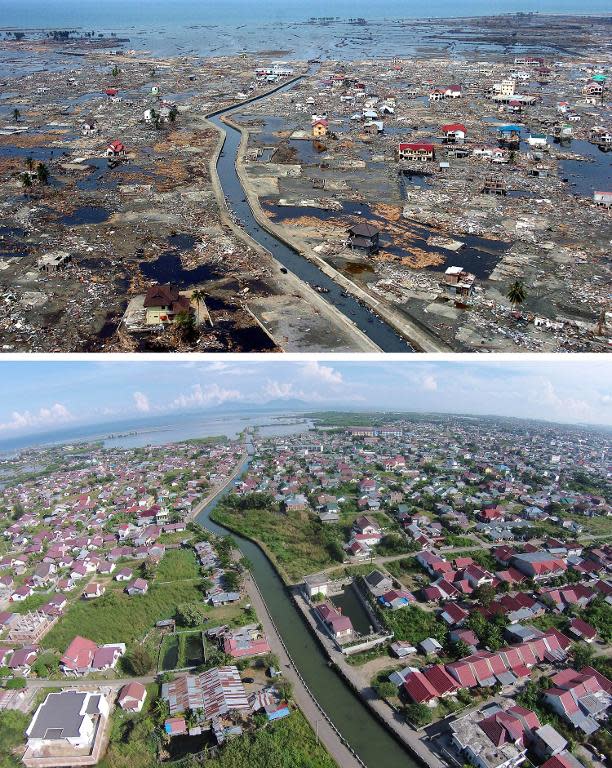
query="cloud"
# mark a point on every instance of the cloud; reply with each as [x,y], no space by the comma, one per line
[200,396]
[430,384]
[44,417]
[142,402]
[324,373]
[280,390]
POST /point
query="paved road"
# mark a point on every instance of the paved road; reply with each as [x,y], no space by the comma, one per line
[217,491]
[76,682]
[303,698]
[411,738]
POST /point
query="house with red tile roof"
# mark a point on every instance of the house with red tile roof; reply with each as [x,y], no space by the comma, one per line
[583,631]
[83,656]
[132,696]
[581,698]
[339,626]
[453,615]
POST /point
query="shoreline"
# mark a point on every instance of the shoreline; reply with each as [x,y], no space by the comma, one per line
[568,14]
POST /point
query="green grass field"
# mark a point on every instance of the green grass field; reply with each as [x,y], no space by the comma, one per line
[294,542]
[116,617]
[178,564]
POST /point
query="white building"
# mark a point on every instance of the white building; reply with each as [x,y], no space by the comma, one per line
[69,719]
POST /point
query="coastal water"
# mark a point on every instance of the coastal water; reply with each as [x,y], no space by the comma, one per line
[147,13]
[222,27]
[165,430]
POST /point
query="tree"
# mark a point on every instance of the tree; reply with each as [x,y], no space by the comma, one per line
[419,714]
[148,568]
[231,581]
[284,688]
[516,294]
[485,594]
[191,614]
[173,114]
[198,296]
[26,180]
[16,115]
[16,682]
[42,173]
[161,709]
[115,72]
[385,689]
[462,649]
[140,662]
[185,324]
[582,654]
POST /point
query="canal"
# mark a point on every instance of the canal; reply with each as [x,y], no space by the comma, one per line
[365,734]
[367,322]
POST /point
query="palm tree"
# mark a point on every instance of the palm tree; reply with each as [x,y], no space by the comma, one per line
[198,296]
[516,294]
[161,708]
[42,173]
[16,115]
[26,180]
[185,324]
[30,163]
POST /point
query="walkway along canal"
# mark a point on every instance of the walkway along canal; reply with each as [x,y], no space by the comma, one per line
[366,321]
[359,727]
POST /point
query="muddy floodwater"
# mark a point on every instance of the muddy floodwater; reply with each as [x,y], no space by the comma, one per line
[479,255]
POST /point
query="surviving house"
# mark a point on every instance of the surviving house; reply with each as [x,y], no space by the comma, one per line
[163,303]
[582,698]
[339,627]
[115,150]
[320,128]
[457,284]
[498,740]
[67,725]
[539,565]
[132,696]
[364,237]
[418,152]
[454,132]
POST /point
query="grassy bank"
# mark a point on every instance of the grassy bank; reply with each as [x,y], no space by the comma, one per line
[294,543]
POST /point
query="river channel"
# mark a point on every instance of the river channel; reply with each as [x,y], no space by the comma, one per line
[367,322]
[365,734]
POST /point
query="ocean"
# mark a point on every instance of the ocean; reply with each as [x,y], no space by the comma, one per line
[163,430]
[226,27]
[121,14]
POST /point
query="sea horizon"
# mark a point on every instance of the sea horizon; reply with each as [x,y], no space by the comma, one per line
[133,14]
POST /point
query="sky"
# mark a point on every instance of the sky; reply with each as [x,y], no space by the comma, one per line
[41,396]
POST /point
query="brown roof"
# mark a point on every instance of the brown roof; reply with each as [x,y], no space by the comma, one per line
[161,296]
[364,230]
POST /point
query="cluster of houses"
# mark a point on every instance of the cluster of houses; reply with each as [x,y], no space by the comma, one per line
[220,701]
[71,536]
[502,736]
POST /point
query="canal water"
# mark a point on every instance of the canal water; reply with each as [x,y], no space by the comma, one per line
[378,331]
[369,738]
